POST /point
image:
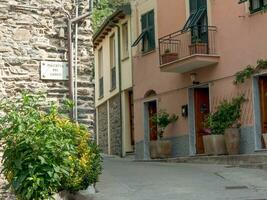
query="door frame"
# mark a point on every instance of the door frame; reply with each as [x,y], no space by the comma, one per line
[146,126]
[192,117]
[257,111]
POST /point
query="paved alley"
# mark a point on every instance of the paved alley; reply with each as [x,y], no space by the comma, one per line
[129,180]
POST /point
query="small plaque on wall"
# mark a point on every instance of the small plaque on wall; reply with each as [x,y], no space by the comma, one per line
[51,70]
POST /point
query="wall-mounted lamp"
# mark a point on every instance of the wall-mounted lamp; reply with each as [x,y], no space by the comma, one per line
[193,78]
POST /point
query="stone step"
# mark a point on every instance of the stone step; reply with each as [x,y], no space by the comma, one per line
[232,160]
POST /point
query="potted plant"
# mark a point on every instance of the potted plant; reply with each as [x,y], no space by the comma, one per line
[168,56]
[198,46]
[224,125]
[161,148]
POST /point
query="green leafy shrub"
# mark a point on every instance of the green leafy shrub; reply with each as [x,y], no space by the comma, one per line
[162,119]
[227,115]
[45,153]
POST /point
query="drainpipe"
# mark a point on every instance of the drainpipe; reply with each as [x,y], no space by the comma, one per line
[70,63]
[120,90]
[70,53]
[76,65]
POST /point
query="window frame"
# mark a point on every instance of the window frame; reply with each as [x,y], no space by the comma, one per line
[146,33]
[100,73]
[149,31]
[261,7]
[125,40]
[113,63]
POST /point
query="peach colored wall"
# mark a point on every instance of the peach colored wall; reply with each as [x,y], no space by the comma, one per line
[240,41]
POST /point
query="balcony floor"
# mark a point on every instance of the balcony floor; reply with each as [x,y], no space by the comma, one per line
[190,63]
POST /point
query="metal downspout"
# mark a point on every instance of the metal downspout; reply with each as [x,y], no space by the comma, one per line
[70,53]
[70,58]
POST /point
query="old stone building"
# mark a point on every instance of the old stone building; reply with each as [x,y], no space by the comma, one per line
[34,32]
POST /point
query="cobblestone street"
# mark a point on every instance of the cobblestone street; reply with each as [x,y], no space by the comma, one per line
[128,180]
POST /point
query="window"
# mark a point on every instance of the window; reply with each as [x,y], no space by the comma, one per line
[112,51]
[100,72]
[256,5]
[125,40]
[198,14]
[148,32]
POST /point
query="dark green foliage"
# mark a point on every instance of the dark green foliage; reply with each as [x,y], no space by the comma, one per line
[162,119]
[245,74]
[104,8]
[44,153]
[227,115]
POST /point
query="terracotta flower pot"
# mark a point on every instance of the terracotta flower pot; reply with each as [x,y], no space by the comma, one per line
[198,48]
[169,57]
[160,149]
[214,144]
[232,140]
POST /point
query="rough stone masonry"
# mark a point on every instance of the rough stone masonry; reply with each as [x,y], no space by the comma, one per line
[32,31]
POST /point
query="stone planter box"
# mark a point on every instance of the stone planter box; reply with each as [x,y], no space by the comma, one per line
[160,149]
[80,195]
[214,144]
[232,140]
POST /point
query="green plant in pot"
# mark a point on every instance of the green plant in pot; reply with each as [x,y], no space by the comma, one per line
[226,121]
[162,119]
[161,148]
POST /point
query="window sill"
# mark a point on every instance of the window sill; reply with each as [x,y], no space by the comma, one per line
[112,89]
[125,58]
[258,11]
[101,97]
[148,52]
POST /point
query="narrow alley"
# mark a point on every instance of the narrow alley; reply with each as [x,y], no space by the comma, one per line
[129,180]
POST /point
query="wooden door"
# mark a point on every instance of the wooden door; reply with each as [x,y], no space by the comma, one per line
[152,109]
[201,110]
[131,108]
[263,104]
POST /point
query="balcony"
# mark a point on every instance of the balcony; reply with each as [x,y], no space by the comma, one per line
[184,51]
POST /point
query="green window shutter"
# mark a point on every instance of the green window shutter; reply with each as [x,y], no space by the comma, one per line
[201,4]
[193,6]
[151,29]
[143,22]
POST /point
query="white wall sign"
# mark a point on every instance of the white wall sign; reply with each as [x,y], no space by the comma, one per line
[51,70]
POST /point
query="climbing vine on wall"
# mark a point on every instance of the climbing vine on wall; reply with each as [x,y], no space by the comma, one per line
[243,75]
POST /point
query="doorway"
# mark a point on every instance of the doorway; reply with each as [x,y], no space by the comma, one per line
[263,105]
[199,108]
[152,110]
[150,129]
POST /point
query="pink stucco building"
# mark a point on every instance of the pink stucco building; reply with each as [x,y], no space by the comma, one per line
[185,57]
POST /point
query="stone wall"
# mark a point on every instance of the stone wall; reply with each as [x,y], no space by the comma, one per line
[103,127]
[115,126]
[32,31]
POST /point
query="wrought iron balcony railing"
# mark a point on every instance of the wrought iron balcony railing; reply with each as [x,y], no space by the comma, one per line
[185,43]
